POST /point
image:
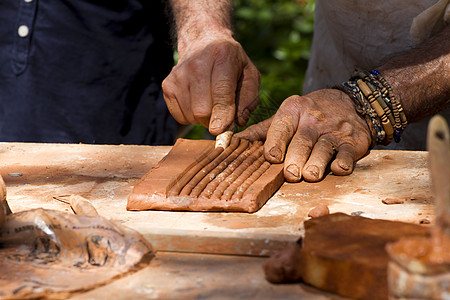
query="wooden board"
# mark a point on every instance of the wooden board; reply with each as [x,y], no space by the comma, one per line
[200,276]
[106,175]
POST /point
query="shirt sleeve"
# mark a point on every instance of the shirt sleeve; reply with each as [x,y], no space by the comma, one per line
[430,22]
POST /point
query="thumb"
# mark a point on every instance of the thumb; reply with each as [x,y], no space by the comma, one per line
[256,132]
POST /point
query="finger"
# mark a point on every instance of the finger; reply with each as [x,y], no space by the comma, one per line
[223,84]
[282,129]
[298,153]
[321,155]
[199,91]
[345,159]
[170,92]
[247,94]
[256,132]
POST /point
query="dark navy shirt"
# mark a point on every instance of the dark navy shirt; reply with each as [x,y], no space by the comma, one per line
[86,71]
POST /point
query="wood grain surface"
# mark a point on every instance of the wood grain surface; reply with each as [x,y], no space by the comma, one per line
[104,174]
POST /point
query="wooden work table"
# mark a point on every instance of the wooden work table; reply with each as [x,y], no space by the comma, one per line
[194,258]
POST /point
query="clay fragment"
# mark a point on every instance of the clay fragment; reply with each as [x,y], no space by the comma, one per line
[188,178]
[48,254]
[319,211]
[390,201]
[282,266]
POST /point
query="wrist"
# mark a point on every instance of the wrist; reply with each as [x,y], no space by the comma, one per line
[360,109]
[375,101]
[196,37]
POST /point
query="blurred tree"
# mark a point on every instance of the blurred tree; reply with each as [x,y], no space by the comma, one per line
[276,34]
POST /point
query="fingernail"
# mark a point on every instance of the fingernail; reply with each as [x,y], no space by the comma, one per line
[343,166]
[293,169]
[313,170]
[215,124]
[275,152]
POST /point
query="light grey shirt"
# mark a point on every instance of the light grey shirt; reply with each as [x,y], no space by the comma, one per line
[363,34]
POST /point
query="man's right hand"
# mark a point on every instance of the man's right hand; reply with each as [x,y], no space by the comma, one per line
[214,84]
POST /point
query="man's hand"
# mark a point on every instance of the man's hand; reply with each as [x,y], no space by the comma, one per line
[214,82]
[310,131]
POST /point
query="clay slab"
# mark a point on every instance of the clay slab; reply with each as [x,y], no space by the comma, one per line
[153,191]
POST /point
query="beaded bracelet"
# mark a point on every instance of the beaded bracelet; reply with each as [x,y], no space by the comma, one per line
[381,98]
[401,122]
[375,101]
[365,110]
[378,109]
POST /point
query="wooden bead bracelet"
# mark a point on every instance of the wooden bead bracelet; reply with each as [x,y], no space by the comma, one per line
[375,101]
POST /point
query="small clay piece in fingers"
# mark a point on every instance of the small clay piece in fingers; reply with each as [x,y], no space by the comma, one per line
[223,139]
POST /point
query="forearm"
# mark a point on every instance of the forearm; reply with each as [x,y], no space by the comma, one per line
[420,78]
[201,20]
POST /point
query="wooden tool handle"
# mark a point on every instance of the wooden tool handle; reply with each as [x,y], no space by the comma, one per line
[438,141]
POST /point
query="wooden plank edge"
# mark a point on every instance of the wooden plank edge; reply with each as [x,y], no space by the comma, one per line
[232,243]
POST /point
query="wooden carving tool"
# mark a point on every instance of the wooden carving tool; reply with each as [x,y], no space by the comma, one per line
[420,267]
[439,151]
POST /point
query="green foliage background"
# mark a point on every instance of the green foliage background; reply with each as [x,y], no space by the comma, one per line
[276,34]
